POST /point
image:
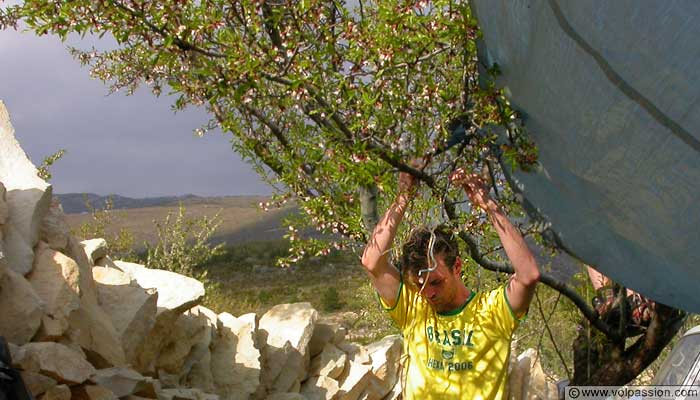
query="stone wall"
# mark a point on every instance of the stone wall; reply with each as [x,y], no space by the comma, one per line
[84,326]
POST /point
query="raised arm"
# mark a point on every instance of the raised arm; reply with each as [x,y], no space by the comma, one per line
[521,288]
[384,276]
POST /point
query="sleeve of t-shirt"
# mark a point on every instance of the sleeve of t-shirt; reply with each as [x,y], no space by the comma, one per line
[399,310]
[504,317]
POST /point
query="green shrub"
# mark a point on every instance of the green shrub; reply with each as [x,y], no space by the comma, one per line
[330,300]
[120,245]
[183,244]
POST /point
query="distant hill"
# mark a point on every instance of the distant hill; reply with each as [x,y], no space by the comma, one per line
[74,203]
[241,218]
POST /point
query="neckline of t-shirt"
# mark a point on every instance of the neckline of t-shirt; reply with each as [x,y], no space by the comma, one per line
[460,309]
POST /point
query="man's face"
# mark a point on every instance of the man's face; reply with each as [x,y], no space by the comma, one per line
[440,287]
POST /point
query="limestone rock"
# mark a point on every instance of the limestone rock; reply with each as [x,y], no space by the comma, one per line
[88,289]
[124,381]
[92,392]
[92,329]
[324,332]
[320,388]
[3,259]
[195,370]
[21,308]
[185,394]
[288,329]
[527,372]
[57,362]
[330,362]
[37,383]
[55,278]
[28,198]
[355,352]
[354,381]
[60,392]
[54,229]
[395,393]
[4,209]
[200,375]
[293,323]
[52,328]
[235,361]
[385,355]
[193,328]
[131,308]
[286,396]
[94,249]
[176,294]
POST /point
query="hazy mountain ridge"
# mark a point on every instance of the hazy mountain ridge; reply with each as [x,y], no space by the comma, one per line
[74,203]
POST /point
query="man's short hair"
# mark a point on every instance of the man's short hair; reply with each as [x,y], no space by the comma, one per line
[415,251]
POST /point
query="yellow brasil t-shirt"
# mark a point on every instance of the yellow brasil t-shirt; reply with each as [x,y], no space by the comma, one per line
[460,355]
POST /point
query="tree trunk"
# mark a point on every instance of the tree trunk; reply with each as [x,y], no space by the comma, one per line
[600,361]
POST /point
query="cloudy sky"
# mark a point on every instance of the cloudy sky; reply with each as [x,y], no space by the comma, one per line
[128,145]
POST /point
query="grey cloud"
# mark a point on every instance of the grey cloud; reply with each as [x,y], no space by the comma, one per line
[130,145]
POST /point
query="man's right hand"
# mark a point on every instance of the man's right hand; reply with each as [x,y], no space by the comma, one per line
[407,185]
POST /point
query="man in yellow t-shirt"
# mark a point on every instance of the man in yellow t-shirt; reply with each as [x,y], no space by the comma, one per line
[457,340]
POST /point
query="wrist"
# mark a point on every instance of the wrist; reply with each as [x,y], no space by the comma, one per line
[404,198]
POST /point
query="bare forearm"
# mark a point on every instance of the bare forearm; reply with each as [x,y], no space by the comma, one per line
[519,254]
[384,233]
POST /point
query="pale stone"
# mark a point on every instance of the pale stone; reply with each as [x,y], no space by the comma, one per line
[124,381]
[54,229]
[56,279]
[355,352]
[330,362]
[286,396]
[235,360]
[396,392]
[28,198]
[527,372]
[4,209]
[320,388]
[385,355]
[94,249]
[190,329]
[3,259]
[131,308]
[354,381]
[200,375]
[340,335]
[60,392]
[287,329]
[88,289]
[52,328]
[37,383]
[19,253]
[59,362]
[293,323]
[92,392]
[92,329]
[21,308]
[176,294]
[185,394]
[324,332]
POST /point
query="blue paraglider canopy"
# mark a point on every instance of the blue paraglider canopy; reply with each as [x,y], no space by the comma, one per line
[610,93]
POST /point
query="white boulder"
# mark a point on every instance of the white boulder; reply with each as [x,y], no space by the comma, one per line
[235,360]
[55,361]
[21,308]
[131,308]
[28,198]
